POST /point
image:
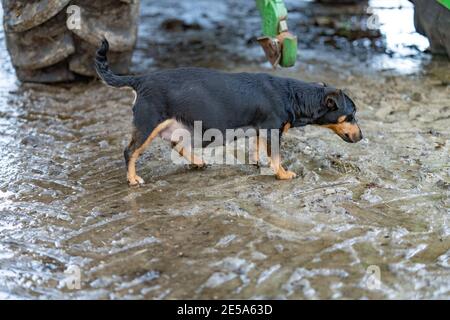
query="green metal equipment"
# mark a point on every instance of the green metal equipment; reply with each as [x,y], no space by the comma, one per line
[445,3]
[279,45]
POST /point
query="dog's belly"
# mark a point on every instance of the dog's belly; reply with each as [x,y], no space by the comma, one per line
[174,131]
[177,131]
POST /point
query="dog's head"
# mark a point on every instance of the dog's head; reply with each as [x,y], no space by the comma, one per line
[338,114]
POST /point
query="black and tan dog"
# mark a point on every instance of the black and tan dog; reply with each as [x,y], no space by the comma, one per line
[171,99]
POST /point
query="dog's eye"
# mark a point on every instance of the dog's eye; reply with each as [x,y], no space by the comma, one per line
[350,118]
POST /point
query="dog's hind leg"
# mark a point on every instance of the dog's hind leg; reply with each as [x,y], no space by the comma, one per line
[130,160]
[137,146]
[188,153]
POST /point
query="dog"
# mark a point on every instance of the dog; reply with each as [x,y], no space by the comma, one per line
[168,100]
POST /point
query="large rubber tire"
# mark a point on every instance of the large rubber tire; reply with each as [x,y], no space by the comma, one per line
[433,21]
[44,49]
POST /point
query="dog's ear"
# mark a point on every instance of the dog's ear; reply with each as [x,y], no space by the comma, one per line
[331,98]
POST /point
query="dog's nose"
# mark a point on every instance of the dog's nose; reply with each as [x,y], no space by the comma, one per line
[357,136]
[352,138]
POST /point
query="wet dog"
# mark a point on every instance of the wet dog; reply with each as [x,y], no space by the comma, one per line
[172,99]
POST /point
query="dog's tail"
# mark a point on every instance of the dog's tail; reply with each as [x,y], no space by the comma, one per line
[103,71]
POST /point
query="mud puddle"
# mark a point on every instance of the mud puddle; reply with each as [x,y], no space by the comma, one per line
[228,232]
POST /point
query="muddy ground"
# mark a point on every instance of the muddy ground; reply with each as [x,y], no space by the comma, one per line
[228,231]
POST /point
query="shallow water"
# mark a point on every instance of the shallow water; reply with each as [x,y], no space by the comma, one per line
[227,231]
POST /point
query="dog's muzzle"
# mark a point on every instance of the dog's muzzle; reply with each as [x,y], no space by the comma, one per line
[349,132]
[352,138]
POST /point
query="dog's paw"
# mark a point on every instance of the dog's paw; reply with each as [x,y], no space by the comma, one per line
[286,175]
[135,181]
[256,164]
[198,166]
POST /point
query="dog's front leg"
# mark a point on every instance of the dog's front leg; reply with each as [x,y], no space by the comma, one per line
[280,172]
[255,153]
[275,161]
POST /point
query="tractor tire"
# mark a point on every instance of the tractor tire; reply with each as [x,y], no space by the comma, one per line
[55,40]
[433,21]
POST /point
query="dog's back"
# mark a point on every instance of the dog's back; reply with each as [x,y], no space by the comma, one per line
[218,99]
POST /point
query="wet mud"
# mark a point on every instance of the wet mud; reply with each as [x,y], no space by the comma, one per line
[228,231]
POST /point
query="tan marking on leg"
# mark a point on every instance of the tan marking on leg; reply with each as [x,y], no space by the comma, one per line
[286,127]
[275,164]
[187,153]
[256,151]
[190,155]
[280,172]
[133,178]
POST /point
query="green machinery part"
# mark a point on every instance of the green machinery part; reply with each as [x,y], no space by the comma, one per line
[279,45]
[445,3]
